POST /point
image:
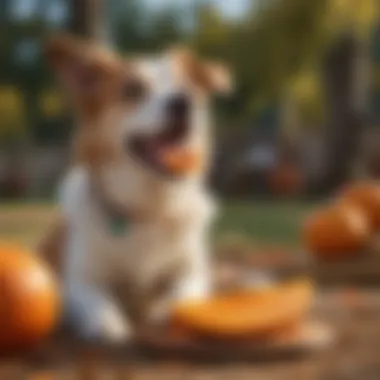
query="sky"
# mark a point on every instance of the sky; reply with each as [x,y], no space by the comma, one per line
[231,8]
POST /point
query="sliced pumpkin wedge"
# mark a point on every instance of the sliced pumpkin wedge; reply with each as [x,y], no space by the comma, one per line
[248,313]
[182,160]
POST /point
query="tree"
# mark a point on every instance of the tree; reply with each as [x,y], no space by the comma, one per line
[270,48]
[87,18]
[266,49]
[346,86]
[135,29]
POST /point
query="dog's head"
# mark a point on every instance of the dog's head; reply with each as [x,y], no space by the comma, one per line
[150,112]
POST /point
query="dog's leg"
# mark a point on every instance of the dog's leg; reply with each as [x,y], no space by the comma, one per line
[195,282]
[94,315]
[90,310]
[52,245]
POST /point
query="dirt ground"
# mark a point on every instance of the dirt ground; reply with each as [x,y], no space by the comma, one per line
[355,355]
[353,314]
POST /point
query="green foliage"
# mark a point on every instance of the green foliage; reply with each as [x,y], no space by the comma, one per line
[265,49]
[273,46]
[135,30]
[269,50]
[12,111]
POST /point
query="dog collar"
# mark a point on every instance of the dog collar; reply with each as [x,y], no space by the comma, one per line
[117,224]
[117,218]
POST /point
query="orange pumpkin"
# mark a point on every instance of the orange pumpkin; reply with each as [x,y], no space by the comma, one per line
[366,196]
[247,314]
[286,180]
[29,299]
[182,160]
[336,232]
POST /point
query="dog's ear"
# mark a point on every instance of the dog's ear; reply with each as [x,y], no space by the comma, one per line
[80,66]
[212,77]
[216,77]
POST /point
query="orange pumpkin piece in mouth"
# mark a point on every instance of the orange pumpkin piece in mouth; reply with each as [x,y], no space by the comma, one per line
[181,160]
[248,313]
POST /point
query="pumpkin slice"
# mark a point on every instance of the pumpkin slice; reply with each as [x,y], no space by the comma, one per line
[250,313]
[182,160]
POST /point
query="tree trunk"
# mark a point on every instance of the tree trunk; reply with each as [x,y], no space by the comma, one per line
[87,18]
[4,10]
[345,94]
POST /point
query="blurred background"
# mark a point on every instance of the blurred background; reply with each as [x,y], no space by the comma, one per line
[302,122]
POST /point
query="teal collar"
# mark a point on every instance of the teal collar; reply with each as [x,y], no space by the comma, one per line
[117,219]
[117,224]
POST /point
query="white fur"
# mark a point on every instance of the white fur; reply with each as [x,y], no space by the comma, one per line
[175,230]
[94,257]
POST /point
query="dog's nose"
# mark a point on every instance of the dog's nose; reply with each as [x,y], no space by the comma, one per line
[178,106]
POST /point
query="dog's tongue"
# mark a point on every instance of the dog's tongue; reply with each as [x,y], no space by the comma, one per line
[180,159]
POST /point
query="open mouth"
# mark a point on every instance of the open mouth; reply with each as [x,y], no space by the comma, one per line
[159,150]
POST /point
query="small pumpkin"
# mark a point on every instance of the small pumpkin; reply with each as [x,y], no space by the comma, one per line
[336,232]
[366,196]
[286,180]
[247,313]
[182,160]
[29,299]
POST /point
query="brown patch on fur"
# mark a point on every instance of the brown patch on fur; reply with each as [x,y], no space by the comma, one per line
[93,78]
[90,75]
[51,248]
[90,149]
[206,75]
[138,302]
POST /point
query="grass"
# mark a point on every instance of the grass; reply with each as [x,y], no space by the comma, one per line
[25,222]
[267,222]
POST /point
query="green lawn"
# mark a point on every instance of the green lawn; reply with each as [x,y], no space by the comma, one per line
[25,222]
[262,222]
[269,222]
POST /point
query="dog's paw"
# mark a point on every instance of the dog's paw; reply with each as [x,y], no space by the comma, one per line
[106,333]
[106,326]
[115,330]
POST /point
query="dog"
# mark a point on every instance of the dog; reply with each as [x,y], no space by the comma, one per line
[135,202]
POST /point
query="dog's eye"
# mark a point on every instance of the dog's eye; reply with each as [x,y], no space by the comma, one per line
[134,90]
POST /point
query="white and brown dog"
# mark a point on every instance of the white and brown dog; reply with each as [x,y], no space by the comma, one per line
[136,203]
